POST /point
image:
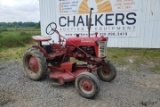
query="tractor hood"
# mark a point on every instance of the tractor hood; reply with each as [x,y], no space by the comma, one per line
[83,41]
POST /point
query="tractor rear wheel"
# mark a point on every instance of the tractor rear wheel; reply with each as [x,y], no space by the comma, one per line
[34,64]
[87,85]
[107,73]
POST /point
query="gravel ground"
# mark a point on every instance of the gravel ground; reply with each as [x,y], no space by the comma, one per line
[129,89]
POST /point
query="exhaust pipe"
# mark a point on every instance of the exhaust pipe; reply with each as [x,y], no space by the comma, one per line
[90,21]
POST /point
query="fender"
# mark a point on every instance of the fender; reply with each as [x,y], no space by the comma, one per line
[42,50]
[48,56]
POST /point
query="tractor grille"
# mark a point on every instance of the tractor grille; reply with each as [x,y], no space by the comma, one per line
[102,48]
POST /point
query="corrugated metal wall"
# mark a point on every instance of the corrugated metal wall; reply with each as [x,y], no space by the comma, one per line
[147,34]
[47,14]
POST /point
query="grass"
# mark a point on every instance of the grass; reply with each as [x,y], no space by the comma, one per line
[13,53]
[136,59]
[14,41]
[11,38]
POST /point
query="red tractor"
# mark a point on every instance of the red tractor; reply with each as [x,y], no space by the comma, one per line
[55,58]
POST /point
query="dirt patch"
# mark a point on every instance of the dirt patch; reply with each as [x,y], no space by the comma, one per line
[5,97]
[148,103]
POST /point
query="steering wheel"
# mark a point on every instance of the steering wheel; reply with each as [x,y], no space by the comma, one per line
[51,28]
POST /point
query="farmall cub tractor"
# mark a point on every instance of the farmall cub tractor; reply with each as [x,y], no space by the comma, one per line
[55,58]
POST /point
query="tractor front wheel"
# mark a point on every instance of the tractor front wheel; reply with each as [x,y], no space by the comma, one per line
[34,64]
[107,73]
[87,85]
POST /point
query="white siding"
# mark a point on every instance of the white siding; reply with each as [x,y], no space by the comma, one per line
[147,35]
[47,14]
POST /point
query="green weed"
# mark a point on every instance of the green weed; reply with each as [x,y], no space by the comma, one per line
[16,37]
[155,68]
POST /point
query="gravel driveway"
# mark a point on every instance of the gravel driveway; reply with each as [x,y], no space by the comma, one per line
[129,89]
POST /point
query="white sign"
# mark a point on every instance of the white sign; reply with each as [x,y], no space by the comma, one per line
[113,18]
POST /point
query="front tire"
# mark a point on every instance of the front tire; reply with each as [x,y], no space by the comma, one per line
[107,73]
[87,85]
[34,64]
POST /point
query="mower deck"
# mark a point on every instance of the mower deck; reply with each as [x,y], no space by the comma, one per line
[67,72]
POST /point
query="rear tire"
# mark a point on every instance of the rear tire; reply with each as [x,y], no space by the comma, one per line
[87,85]
[34,64]
[107,73]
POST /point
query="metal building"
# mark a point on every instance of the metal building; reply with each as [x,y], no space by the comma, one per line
[127,23]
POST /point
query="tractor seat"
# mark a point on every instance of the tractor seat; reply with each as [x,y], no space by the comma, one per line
[41,38]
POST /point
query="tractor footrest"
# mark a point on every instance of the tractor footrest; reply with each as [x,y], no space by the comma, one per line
[62,75]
